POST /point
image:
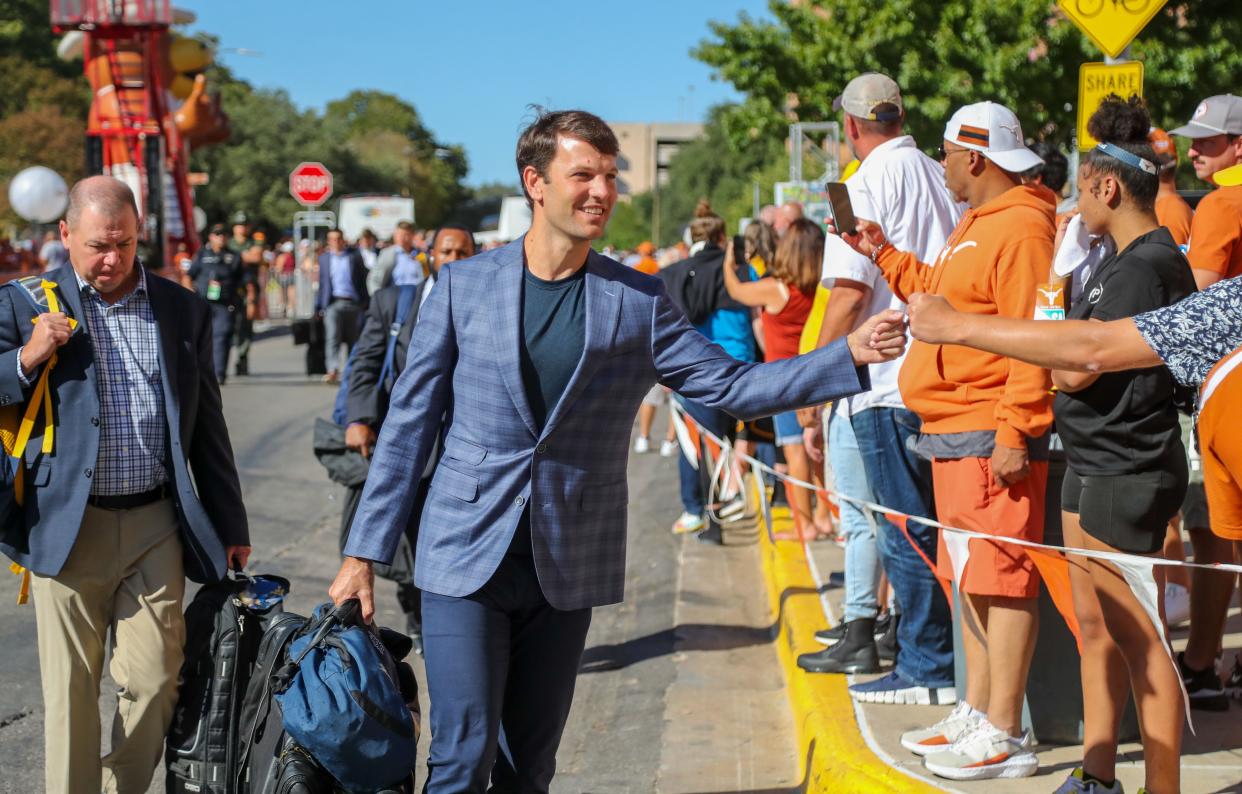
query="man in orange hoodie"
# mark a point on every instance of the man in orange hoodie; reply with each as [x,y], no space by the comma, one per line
[985,427]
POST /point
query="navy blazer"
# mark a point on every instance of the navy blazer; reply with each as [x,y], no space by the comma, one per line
[366,398]
[357,274]
[571,474]
[209,506]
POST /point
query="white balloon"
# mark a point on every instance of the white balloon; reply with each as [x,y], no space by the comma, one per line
[39,194]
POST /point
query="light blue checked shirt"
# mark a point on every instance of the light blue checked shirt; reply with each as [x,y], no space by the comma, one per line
[132,430]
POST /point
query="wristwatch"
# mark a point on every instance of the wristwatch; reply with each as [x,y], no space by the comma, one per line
[875,252]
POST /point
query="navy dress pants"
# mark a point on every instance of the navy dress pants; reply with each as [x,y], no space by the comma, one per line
[501,669]
[221,338]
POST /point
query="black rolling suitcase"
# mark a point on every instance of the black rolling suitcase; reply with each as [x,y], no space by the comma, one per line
[224,625]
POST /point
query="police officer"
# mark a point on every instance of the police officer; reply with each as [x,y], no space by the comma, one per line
[217,275]
[251,253]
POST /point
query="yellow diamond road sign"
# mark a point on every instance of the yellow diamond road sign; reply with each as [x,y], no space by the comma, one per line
[1111,24]
[1098,80]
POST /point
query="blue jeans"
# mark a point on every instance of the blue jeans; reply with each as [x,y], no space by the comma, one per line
[902,480]
[693,488]
[862,565]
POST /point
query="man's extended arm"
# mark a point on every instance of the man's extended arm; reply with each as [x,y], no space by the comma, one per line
[689,364]
[1079,345]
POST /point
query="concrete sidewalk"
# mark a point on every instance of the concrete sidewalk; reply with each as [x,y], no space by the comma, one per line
[1211,758]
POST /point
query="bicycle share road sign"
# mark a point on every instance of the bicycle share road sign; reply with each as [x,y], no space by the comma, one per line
[1098,80]
[1111,24]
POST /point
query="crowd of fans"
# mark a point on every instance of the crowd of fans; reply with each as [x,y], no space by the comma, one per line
[980,245]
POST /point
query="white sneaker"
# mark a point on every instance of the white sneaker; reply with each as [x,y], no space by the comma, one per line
[641,445]
[943,734]
[688,522]
[668,448]
[985,753]
[1176,604]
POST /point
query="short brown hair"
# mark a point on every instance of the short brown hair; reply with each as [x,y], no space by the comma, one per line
[800,256]
[536,146]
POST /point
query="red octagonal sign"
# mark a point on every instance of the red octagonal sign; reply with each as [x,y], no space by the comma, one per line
[310,184]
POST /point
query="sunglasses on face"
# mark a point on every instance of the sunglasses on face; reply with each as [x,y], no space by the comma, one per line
[943,155]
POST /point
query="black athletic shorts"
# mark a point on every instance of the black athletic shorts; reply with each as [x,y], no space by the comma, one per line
[1129,512]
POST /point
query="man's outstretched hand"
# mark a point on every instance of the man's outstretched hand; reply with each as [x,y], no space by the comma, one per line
[881,338]
[932,319]
[356,579]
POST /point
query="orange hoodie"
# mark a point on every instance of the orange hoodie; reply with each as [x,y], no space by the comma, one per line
[991,264]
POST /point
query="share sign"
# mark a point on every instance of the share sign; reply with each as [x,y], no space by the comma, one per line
[310,184]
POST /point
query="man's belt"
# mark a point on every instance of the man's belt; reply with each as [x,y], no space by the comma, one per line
[130,501]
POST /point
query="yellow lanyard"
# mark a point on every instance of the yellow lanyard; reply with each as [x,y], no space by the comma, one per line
[41,397]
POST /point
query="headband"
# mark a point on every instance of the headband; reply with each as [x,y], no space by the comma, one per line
[1130,159]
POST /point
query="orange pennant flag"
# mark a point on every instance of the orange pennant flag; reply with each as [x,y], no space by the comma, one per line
[1054,570]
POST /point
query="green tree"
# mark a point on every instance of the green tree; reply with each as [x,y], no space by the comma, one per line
[1023,53]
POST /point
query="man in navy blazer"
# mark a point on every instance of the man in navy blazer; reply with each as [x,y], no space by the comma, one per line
[138,490]
[537,357]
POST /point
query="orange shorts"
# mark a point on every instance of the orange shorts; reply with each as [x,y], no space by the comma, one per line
[966,497]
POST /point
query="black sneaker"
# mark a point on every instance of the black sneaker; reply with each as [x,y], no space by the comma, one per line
[886,636]
[1233,685]
[831,636]
[1203,687]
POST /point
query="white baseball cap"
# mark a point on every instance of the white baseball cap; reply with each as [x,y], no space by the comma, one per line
[996,132]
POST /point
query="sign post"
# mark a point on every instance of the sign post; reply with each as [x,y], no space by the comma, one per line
[1098,80]
[310,184]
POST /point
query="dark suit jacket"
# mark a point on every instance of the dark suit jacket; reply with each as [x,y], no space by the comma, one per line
[357,274]
[209,506]
[366,399]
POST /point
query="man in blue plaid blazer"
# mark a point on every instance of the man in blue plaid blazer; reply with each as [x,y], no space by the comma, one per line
[533,360]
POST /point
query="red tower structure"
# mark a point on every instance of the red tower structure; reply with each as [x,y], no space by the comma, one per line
[130,131]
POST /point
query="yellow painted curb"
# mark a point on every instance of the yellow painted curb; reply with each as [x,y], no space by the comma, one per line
[832,753]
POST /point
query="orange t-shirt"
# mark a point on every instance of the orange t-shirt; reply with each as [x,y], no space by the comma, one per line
[1220,445]
[1174,214]
[1216,233]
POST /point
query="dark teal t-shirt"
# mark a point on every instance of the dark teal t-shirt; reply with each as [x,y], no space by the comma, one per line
[553,337]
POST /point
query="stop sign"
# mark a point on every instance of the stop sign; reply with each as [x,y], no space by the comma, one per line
[310,184]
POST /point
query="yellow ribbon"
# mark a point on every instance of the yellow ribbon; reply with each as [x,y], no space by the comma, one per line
[23,590]
[40,399]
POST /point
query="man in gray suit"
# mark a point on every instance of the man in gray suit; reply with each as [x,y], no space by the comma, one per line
[109,520]
[537,357]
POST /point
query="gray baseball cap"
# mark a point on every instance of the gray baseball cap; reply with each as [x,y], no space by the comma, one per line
[1216,115]
[872,96]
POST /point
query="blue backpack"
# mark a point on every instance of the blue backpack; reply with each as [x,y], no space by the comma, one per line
[341,701]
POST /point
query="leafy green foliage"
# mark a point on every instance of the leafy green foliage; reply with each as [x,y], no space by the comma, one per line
[1022,53]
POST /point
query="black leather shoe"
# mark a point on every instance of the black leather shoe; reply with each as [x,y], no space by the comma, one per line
[856,653]
[710,535]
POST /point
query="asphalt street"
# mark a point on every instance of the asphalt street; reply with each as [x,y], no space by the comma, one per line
[695,706]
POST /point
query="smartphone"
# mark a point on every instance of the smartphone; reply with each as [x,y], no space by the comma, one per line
[842,211]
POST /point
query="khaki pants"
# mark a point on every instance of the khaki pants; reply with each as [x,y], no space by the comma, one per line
[124,575]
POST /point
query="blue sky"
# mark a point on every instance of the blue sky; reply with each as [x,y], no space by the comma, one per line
[472,66]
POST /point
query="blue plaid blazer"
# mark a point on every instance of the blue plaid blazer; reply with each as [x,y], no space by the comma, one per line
[463,376]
